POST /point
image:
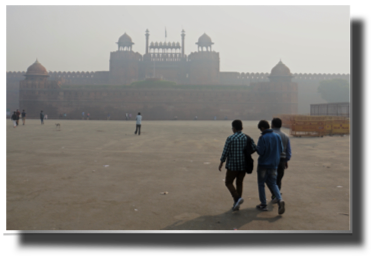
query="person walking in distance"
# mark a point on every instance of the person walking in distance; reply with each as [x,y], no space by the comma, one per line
[23,115]
[285,155]
[127,116]
[233,152]
[14,119]
[18,117]
[42,117]
[269,148]
[138,123]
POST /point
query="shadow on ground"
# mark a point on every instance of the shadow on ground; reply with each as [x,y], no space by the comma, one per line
[226,221]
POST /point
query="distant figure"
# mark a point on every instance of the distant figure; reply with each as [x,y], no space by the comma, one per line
[196,117]
[88,116]
[23,115]
[127,116]
[42,117]
[108,116]
[64,116]
[226,118]
[175,117]
[83,115]
[131,116]
[215,118]
[138,124]
[46,117]
[18,116]
[14,119]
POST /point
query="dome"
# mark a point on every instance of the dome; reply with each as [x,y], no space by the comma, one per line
[36,69]
[280,70]
[125,40]
[204,40]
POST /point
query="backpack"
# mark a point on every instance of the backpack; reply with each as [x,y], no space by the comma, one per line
[248,151]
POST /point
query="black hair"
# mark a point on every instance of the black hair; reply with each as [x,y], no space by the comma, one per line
[139,113]
[276,122]
[263,124]
[238,125]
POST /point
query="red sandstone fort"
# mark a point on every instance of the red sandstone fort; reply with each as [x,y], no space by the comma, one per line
[140,83]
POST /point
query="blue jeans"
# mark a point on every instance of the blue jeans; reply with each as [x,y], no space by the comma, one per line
[268,176]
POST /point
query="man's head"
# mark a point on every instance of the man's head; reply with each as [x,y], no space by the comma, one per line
[23,110]
[263,125]
[41,111]
[237,126]
[276,123]
[139,113]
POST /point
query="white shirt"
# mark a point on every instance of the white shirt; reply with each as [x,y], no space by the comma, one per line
[139,119]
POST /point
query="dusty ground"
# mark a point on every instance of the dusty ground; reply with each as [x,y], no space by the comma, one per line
[57,180]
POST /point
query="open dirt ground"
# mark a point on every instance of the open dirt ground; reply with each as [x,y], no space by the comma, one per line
[98,175]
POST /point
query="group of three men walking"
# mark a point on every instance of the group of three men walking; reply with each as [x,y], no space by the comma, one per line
[273,148]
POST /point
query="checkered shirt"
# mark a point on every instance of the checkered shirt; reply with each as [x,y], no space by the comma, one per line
[233,151]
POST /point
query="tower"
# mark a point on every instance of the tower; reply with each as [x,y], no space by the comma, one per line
[204,65]
[280,94]
[35,77]
[124,63]
[204,42]
[183,35]
[147,41]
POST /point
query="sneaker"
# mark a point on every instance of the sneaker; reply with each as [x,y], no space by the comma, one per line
[274,200]
[262,207]
[237,208]
[281,207]
[237,204]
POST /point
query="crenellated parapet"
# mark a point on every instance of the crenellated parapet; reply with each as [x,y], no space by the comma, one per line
[203,55]
[236,78]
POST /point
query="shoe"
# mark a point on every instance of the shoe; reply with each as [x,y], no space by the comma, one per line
[262,207]
[237,208]
[237,204]
[281,207]
[274,200]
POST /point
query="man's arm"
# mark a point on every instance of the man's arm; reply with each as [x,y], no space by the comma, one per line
[288,154]
[224,154]
[288,151]
[260,146]
[253,145]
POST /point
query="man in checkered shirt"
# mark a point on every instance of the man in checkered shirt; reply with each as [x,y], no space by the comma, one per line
[233,153]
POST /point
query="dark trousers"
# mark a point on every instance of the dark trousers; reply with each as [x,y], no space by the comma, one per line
[138,129]
[229,179]
[280,175]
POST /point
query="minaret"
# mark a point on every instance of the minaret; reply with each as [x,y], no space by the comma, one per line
[183,35]
[147,41]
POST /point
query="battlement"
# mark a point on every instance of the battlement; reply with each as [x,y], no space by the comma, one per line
[122,55]
[204,55]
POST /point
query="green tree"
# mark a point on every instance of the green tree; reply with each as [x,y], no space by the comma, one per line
[335,90]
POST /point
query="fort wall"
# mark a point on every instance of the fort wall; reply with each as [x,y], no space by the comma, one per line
[154,104]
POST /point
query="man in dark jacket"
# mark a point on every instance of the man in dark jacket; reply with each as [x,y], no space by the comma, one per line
[14,119]
[269,148]
[18,117]
[23,115]
[42,117]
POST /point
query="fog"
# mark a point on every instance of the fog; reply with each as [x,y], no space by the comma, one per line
[248,38]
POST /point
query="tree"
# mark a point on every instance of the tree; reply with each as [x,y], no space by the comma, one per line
[335,90]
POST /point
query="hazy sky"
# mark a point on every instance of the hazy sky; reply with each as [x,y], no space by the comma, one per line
[308,39]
